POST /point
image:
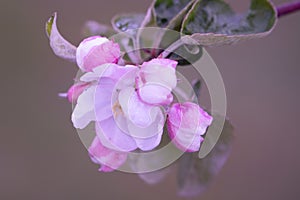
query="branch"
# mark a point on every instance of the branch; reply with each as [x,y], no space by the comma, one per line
[287,8]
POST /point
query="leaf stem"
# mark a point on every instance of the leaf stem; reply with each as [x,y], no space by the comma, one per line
[287,8]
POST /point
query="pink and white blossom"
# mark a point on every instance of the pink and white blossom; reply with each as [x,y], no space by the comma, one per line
[95,51]
[124,122]
[187,123]
[128,105]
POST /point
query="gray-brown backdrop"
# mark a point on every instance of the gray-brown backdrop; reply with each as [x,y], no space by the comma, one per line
[42,157]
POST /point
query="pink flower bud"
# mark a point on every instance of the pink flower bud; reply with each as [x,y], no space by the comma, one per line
[187,122]
[108,159]
[95,51]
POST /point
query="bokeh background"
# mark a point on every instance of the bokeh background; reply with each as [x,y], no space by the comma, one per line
[42,157]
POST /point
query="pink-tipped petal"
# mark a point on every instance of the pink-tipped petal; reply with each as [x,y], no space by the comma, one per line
[108,159]
[76,90]
[187,122]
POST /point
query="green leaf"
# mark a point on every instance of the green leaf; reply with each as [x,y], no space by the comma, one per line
[213,22]
[167,14]
[194,174]
[170,13]
[92,28]
[49,24]
[60,46]
[127,22]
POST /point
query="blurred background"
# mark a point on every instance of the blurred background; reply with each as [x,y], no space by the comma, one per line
[42,157]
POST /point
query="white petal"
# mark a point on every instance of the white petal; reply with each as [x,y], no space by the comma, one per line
[109,70]
[83,112]
[149,137]
[113,137]
[159,74]
[103,98]
[155,94]
[136,111]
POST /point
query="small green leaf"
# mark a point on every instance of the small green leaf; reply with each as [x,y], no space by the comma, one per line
[60,46]
[92,28]
[194,174]
[127,22]
[213,22]
[49,24]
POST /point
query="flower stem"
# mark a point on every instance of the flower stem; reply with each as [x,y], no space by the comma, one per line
[287,8]
[171,48]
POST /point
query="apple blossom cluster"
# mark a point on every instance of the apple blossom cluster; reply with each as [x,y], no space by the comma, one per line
[130,104]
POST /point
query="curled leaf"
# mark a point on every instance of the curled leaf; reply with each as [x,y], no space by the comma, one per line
[60,46]
[213,22]
[170,13]
[195,174]
[167,14]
